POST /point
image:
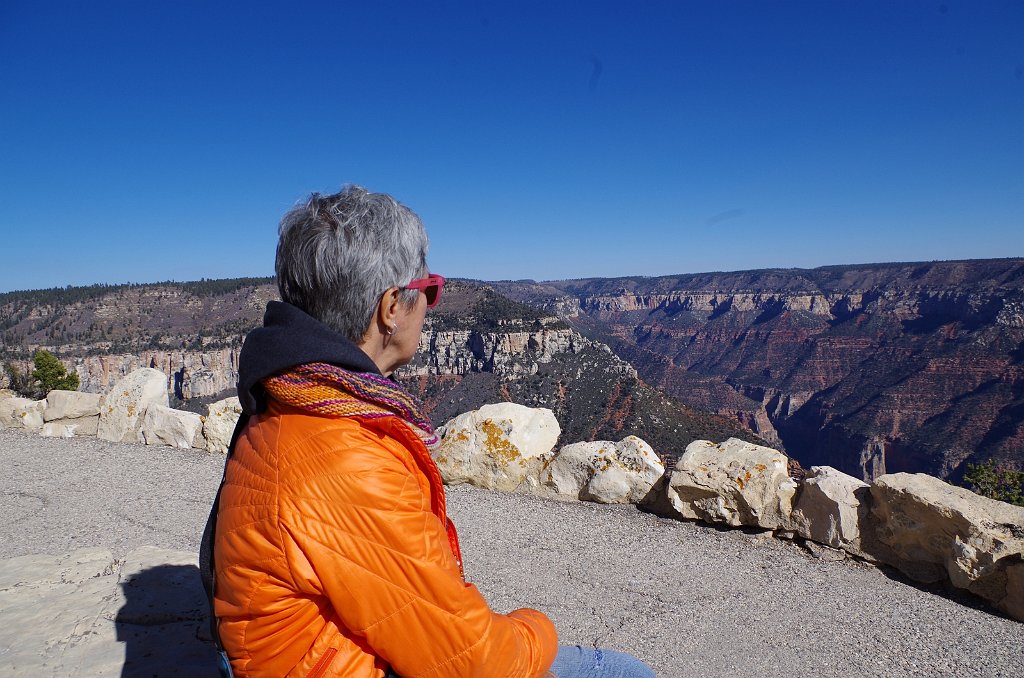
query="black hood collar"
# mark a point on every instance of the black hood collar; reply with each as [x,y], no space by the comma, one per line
[290,337]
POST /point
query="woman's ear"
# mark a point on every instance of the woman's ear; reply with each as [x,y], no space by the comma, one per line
[387,310]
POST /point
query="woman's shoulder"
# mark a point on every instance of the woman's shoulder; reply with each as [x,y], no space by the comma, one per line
[351,461]
[312,444]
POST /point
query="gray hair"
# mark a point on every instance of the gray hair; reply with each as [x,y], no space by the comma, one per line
[337,254]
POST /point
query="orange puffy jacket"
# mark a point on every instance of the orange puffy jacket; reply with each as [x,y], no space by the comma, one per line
[333,559]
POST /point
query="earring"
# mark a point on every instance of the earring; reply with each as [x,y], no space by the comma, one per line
[392,329]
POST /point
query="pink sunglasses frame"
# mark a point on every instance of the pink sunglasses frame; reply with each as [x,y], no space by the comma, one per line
[432,280]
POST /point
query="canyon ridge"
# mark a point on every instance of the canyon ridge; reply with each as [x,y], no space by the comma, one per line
[872,369]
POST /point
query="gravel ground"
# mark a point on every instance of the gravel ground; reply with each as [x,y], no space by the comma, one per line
[689,599]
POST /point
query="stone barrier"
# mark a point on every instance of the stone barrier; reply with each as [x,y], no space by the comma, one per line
[928,529]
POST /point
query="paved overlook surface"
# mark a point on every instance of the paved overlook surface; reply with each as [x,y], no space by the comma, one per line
[689,599]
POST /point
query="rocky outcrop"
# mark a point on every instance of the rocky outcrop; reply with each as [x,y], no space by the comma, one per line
[219,425]
[930,530]
[71,413]
[166,426]
[933,531]
[603,471]
[134,411]
[71,405]
[69,428]
[497,447]
[718,302]
[735,483]
[23,413]
[188,373]
[122,408]
[509,447]
[507,354]
[831,508]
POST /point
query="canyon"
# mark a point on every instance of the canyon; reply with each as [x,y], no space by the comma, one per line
[871,369]
[477,347]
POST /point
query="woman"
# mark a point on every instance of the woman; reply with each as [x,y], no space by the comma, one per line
[333,553]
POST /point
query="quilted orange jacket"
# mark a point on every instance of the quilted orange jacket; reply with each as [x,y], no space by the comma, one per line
[334,557]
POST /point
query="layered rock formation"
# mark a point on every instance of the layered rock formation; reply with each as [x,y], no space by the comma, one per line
[477,347]
[190,374]
[870,369]
[191,332]
[71,413]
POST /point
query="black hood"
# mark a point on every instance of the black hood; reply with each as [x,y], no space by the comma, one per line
[290,337]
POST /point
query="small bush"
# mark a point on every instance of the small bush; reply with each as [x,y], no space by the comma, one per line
[996,481]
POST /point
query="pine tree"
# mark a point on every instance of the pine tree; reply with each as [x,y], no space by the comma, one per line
[50,373]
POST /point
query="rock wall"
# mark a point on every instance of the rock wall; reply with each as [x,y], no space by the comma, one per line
[505,354]
[205,373]
[190,374]
[928,529]
[870,369]
[134,409]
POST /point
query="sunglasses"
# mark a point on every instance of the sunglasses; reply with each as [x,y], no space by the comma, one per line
[431,286]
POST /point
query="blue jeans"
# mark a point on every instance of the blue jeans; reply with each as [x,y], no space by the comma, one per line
[574,661]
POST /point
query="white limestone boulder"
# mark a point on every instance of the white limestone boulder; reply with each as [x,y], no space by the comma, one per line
[71,405]
[830,508]
[603,471]
[69,428]
[122,408]
[6,407]
[933,530]
[220,424]
[166,426]
[735,483]
[501,446]
[22,413]
[8,401]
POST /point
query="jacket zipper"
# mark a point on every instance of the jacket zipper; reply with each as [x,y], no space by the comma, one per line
[321,666]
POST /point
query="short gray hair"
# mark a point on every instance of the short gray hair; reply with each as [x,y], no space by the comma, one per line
[337,254]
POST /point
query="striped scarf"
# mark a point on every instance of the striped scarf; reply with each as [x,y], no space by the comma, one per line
[336,392]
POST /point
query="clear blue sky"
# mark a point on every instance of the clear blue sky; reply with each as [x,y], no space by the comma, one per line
[144,141]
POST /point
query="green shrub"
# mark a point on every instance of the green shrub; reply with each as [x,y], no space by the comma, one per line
[50,374]
[996,481]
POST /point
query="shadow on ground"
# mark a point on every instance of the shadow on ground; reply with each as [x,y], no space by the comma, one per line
[164,624]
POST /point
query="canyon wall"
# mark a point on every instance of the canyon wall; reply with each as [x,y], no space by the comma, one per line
[477,347]
[870,369]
